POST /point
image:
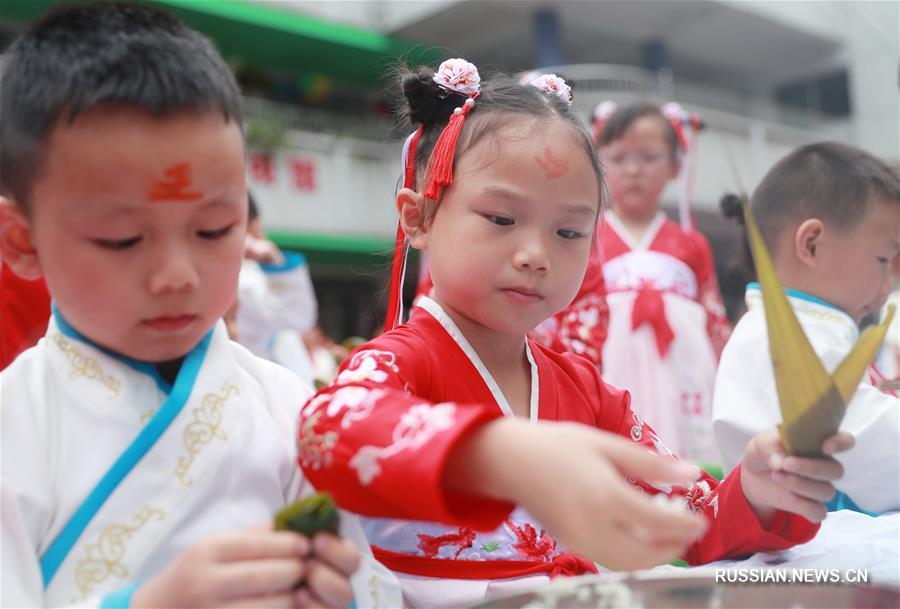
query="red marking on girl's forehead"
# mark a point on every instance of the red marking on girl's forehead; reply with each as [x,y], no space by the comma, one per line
[175,186]
[552,166]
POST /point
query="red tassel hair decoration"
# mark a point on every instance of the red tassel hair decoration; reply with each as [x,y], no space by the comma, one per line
[398,267]
[440,166]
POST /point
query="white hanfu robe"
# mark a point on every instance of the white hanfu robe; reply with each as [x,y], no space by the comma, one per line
[745,401]
[276,304]
[666,325]
[226,461]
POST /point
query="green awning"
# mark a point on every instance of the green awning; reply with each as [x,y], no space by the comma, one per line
[274,38]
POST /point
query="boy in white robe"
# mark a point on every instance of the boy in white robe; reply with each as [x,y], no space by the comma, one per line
[830,215]
[139,445]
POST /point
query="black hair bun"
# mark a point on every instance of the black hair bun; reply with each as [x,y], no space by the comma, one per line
[427,103]
[732,207]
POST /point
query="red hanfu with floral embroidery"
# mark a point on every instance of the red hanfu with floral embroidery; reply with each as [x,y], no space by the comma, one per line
[379,437]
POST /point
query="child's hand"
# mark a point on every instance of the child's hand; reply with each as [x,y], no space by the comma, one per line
[571,478]
[255,567]
[327,574]
[774,481]
[262,251]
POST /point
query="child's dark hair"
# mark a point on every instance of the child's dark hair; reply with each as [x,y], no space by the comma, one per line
[617,124]
[833,182]
[501,101]
[77,57]
[740,270]
[252,208]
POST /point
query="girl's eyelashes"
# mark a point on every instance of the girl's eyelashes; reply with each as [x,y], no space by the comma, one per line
[215,234]
[117,244]
[566,233]
[498,220]
[122,244]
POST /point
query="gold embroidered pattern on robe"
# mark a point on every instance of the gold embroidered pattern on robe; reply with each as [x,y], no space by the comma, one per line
[205,426]
[104,557]
[85,366]
[148,416]
[313,449]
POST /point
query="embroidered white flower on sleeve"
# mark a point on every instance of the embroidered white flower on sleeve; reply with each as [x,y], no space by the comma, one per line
[365,462]
[314,404]
[368,365]
[358,401]
[700,496]
[416,427]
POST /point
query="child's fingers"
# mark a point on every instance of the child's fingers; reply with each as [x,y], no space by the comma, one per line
[250,545]
[328,586]
[304,600]
[645,465]
[765,452]
[784,499]
[340,554]
[274,601]
[633,551]
[639,510]
[814,469]
[805,487]
[243,579]
[839,442]
[813,511]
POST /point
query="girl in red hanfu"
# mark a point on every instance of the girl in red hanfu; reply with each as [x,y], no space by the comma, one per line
[667,323]
[482,457]
[24,313]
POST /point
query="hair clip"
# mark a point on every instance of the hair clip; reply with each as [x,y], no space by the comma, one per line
[602,112]
[552,84]
[678,117]
[459,76]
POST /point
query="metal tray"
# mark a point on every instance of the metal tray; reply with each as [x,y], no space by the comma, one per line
[694,590]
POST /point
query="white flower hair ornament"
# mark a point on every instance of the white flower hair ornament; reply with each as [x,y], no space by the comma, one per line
[679,118]
[602,113]
[459,76]
[604,110]
[551,84]
[673,110]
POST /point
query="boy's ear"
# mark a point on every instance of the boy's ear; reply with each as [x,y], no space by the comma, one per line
[808,240]
[411,208]
[16,247]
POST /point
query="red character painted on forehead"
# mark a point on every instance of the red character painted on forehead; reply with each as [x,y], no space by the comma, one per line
[176,186]
[552,166]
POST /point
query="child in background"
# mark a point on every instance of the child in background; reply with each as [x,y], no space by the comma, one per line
[829,215]
[666,318]
[888,360]
[138,443]
[503,189]
[276,301]
[24,312]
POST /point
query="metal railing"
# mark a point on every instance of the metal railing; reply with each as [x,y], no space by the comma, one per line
[593,83]
[316,120]
[599,79]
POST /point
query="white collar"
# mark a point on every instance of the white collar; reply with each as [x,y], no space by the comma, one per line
[809,309]
[625,235]
[436,311]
